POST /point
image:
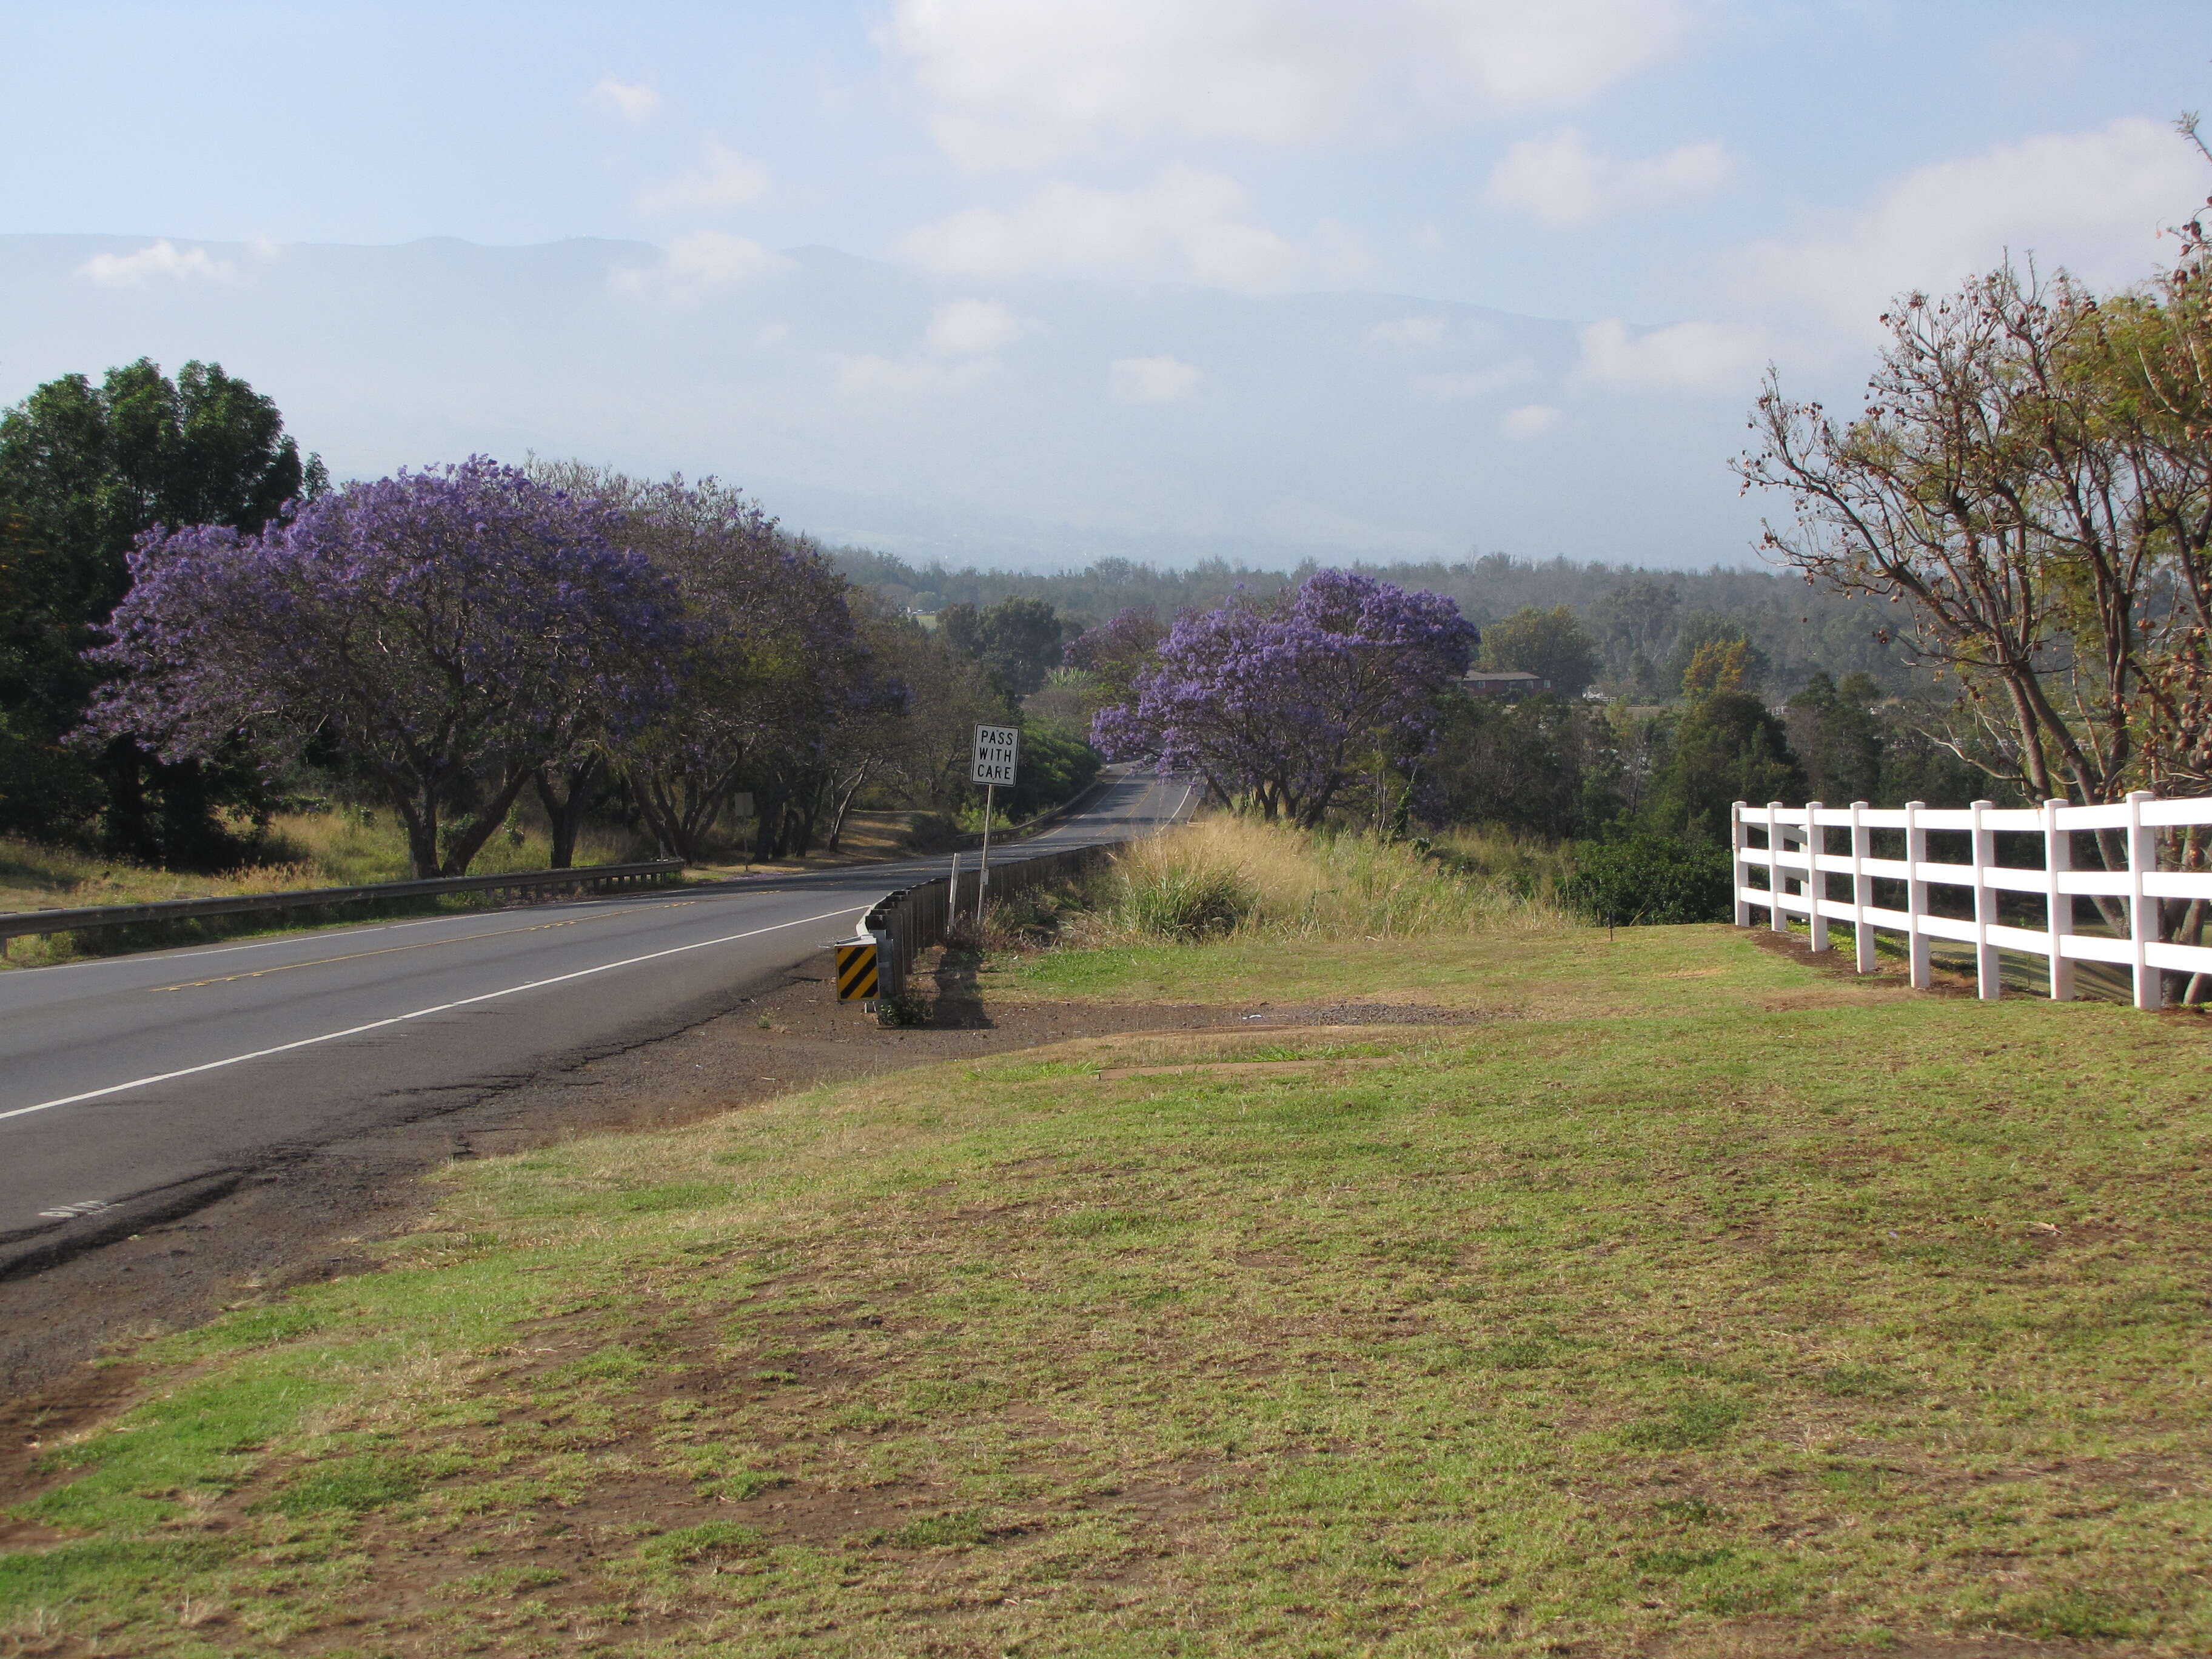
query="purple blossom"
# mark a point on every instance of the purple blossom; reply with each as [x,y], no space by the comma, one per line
[1284,703]
[447,631]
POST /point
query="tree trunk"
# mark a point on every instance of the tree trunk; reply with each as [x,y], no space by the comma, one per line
[127,831]
[844,806]
[489,817]
[564,808]
[418,810]
[768,830]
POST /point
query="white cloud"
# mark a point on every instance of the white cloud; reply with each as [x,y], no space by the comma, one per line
[159,262]
[2092,201]
[964,328]
[692,267]
[1017,84]
[1683,358]
[1531,421]
[631,102]
[1562,182]
[958,348]
[1188,223]
[1152,380]
[725,179]
[1408,333]
[1480,383]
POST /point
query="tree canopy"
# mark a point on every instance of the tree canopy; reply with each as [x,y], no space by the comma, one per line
[85,470]
[448,632]
[1285,703]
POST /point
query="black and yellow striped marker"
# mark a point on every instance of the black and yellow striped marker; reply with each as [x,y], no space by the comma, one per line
[856,971]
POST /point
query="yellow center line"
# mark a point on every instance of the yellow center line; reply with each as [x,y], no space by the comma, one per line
[426,945]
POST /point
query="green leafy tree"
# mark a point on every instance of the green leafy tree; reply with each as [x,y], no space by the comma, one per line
[961,627]
[1839,736]
[84,469]
[1017,640]
[1550,644]
[1053,768]
[1525,765]
[1729,748]
[1634,626]
[1021,640]
[1702,630]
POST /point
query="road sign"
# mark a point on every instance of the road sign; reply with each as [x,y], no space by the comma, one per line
[997,749]
[856,970]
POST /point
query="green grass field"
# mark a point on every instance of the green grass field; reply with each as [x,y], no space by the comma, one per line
[1688,1300]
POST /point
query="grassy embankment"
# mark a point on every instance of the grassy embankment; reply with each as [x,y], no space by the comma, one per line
[1687,1292]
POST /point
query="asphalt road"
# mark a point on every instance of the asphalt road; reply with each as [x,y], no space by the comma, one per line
[137,1088]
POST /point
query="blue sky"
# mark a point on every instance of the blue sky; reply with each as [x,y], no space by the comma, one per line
[1699,188]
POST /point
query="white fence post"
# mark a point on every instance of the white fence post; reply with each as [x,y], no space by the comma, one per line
[1920,969]
[1741,871]
[1987,983]
[2058,908]
[2143,911]
[1816,881]
[1777,840]
[1861,890]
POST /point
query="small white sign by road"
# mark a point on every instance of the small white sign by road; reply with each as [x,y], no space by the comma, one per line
[997,748]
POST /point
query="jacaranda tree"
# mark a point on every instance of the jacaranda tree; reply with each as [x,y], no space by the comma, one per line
[445,632]
[1282,704]
[773,670]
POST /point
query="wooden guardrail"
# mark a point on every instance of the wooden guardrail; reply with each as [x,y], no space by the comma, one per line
[19,924]
[1797,866]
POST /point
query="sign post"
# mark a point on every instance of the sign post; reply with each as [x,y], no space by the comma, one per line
[998,749]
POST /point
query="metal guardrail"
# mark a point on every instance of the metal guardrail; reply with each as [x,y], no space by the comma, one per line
[914,918]
[19,924]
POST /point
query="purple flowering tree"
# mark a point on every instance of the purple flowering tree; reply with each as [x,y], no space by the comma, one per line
[446,631]
[1284,703]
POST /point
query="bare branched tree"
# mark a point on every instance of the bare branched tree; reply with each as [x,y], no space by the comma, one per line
[2031,483]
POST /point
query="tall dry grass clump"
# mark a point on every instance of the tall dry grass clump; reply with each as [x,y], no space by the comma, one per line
[1228,875]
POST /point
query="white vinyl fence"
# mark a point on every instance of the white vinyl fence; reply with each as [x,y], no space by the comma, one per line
[1802,873]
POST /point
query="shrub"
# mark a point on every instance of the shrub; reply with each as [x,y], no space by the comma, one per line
[1230,874]
[1189,901]
[1652,880]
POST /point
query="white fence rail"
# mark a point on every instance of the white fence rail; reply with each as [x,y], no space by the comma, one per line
[1800,867]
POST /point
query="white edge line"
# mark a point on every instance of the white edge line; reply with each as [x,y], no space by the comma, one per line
[443,1007]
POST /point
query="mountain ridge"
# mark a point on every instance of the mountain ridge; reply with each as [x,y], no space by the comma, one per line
[1038,419]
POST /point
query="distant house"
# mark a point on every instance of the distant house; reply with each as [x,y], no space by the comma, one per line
[1508,685]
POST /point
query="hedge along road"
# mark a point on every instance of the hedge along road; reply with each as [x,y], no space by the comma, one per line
[134,1088]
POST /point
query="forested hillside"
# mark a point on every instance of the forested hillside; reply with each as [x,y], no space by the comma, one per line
[1647,623]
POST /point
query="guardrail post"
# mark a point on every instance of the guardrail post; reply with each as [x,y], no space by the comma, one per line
[1920,968]
[2142,909]
[1988,984]
[1741,871]
[2057,907]
[1861,890]
[1816,879]
[1777,842]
